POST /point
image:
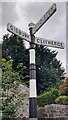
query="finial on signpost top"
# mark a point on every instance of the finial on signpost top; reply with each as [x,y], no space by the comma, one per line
[31,25]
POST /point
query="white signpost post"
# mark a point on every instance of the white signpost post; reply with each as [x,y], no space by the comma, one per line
[35,40]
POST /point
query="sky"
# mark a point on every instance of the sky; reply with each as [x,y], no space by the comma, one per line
[21,14]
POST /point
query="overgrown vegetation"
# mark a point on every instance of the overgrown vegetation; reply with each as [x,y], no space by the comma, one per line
[62,100]
[12,97]
[49,69]
[63,93]
[55,96]
[15,70]
[48,97]
[63,89]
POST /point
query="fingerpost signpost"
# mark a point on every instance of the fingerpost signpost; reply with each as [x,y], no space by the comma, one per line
[33,28]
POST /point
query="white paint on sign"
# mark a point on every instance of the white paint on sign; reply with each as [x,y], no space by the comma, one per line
[49,43]
[45,17]
[15,30]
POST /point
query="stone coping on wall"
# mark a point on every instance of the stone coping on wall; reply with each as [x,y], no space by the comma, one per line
[54,111]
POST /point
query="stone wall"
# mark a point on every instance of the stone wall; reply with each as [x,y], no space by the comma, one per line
[48,112]
[54,111]
[24,110]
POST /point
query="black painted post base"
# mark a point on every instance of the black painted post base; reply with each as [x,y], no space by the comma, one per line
[33,107]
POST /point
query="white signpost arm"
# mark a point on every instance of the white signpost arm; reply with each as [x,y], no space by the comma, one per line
[49,43]
[46,42]
[15,30]
[44,18]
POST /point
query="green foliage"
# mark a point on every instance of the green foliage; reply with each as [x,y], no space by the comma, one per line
[12,97]
[8,75]
[9,111]
[13,48]
[48,97]
[62,100]
[63,89]
[49,71]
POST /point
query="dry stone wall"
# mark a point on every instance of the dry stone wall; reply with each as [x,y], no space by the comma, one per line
[54,111]
[48,112]
[24,110]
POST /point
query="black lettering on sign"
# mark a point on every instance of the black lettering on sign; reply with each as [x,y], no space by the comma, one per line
[16,30]
[46,41]
[62,45]
[41,20]
[44,17]
[11,27]
[47,15]
[49,12]
[54,43]
[27,36]
[54,6]
[51,9]
[37,25]
[49,42]
[22,34]
[58,43]
[41,41]
[19,32]
[38,40]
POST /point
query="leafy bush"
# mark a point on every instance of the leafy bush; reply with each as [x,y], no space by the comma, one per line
[63,89]
[48,97]
[12,97]
[62,100]
[8,111]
